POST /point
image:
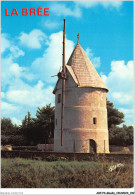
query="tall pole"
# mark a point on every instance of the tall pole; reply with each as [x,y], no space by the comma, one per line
[63,85]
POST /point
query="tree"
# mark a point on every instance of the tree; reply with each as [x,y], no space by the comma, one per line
[27,121]
[45,122]
[39,129]
[24,122]
[10,133]
[7,127]
[115,117]
[121,136]
[27,129]
[15,140]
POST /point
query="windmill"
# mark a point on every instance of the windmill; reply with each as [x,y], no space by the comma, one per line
[62,75]
[80,105]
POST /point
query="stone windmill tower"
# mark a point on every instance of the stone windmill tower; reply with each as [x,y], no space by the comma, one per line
[80,106]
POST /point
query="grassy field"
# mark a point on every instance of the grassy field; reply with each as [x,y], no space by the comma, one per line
[22,173]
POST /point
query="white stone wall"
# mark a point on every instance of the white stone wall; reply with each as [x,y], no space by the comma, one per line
[45,147]
[81,106]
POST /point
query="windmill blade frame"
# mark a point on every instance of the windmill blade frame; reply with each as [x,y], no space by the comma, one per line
[63,83]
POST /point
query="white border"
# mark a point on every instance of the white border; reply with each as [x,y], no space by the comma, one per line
[66,191]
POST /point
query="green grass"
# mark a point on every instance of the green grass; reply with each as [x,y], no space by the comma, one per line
[22,173]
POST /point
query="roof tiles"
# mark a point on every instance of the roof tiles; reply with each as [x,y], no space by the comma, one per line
[82,70]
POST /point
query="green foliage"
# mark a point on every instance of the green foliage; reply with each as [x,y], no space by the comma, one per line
[27,129]
[40,129]
[121,136]
[45,122]
[16,140]
[11,134]
[115,117]
[7,127]
[32,130]
[52,157]
[62,174]
[37,130]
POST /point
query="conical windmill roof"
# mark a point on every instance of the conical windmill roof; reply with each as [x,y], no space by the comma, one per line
[83,71]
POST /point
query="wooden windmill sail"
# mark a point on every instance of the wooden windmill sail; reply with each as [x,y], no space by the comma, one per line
[62,75]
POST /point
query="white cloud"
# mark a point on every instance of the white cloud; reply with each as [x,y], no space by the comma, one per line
[21,96]
[50,24]
[105,4]
[16,52]
[5,43]
[7,107]
[33,39]
[6,74]
[60,9]
[16,69]
[9,69]
[122,97]
[18,72]
[129,113]
[95,60]
[49,64]
[120,84]
[2,94]
[16,121]
[31,95]
[120,79]
[11,72]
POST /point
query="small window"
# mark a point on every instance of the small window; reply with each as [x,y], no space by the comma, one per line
[94,120]
[56,121]
[59,98]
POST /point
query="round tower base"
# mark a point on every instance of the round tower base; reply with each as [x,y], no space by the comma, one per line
[88,141]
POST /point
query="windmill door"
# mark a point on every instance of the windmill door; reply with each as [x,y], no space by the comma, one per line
[92,146]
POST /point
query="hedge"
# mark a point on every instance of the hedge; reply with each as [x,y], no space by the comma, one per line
[52,156]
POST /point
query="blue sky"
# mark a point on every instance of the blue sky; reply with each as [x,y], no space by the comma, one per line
[31,51]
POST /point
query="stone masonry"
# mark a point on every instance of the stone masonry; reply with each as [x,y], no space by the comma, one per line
[85,113]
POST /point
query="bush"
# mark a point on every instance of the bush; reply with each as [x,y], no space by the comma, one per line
[16,140]
[61,174]
[121,136]
[52,157]
[30,148]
